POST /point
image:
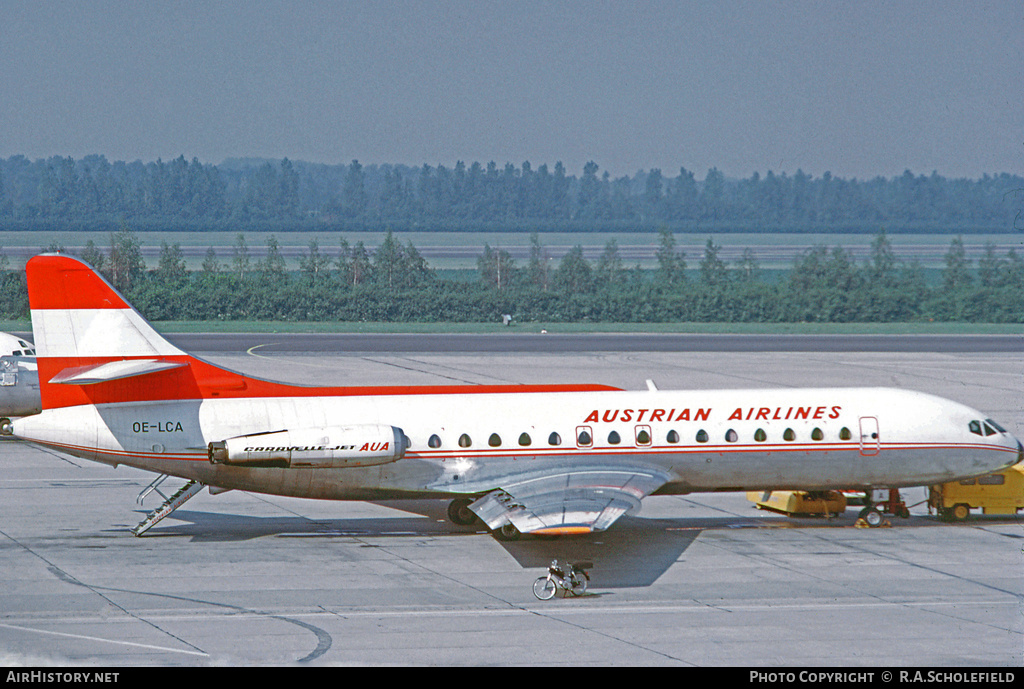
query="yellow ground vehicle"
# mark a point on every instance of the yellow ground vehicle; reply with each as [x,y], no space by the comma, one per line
[999,493]
[799,502]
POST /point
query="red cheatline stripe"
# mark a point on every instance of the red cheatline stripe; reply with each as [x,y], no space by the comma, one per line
[692,449]
[201,456]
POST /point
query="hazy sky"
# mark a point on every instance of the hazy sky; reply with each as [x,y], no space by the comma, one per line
[856,88]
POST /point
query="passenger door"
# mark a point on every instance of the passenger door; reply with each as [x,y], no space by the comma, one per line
[870,442]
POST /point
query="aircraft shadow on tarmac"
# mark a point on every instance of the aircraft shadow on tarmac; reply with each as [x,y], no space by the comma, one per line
[635,552]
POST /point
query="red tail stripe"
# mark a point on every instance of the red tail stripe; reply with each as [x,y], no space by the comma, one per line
[62,282]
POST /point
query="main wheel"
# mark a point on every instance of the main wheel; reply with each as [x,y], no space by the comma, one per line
[506,532]
[873,518]
[544,588]
[459,512]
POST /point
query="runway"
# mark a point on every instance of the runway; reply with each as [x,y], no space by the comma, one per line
[696,580]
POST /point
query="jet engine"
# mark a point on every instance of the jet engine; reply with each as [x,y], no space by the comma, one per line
[329,446]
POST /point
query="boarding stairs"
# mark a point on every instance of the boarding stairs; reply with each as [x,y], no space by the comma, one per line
[169,505]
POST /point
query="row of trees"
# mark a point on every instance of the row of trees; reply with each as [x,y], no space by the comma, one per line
[394,283]
[93,193]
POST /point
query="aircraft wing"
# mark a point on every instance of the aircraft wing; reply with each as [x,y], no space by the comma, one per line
[573,501]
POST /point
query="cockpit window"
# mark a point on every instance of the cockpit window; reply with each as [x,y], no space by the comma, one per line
[994,425]
[988,429]
[975,427]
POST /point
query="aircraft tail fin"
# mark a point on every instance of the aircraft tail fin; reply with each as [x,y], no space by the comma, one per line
[77,314]
[86,333]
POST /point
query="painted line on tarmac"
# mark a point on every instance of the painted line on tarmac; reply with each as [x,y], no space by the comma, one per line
[100,639]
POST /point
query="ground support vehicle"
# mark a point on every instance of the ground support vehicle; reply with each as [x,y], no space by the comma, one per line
[800,503]
[998,493]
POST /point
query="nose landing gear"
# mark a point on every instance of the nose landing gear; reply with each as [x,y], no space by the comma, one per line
[873,514]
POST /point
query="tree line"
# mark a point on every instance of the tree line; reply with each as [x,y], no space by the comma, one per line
[395,283]
[94,194]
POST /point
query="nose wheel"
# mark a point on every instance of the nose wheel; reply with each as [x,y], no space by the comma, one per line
[871,516]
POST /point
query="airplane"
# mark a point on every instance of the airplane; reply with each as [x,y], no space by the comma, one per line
[11,345]
[19,384]
[523,459]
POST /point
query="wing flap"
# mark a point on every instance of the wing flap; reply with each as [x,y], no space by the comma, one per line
[577,501]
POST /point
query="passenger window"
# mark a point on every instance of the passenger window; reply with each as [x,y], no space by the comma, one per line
[434,441]
[554,439]
[844,433]
[494,440]
[583,438]
[975,427]
[464,440]
[789,434]
[731,436]
[613,438]
[992,480]
[760,436]
[643,436]
[672,437]
[702,436]
[524,439]
[816,434]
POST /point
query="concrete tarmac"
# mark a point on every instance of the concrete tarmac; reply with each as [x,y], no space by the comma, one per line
[696,580]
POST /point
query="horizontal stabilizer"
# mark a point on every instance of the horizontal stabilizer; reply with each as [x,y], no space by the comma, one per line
[113,370]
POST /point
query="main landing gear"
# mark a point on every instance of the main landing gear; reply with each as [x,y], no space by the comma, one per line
[459,513]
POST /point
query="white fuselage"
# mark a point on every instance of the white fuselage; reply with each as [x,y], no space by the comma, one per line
[810,439]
